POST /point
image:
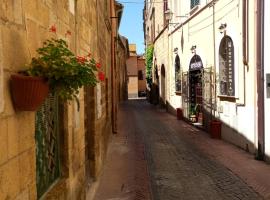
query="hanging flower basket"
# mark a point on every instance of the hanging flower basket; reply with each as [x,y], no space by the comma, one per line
[28,92]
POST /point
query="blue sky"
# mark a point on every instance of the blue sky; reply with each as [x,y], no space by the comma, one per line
[132,23]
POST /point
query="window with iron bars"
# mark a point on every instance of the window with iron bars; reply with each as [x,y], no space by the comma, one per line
[194,3]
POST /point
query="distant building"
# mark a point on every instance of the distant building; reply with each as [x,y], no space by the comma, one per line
[136,73]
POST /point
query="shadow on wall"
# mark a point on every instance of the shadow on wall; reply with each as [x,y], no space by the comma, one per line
[229,134]
[153,94]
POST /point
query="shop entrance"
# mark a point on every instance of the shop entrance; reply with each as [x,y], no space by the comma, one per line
[195,89]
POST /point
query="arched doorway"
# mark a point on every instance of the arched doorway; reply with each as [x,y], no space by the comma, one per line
[163,85]
[195,86]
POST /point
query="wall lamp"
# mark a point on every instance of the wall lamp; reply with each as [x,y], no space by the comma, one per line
[193,49]
[168,17]
[222,28]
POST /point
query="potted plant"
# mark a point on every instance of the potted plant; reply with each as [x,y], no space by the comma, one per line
[28,92]
[192,114]
[58,70]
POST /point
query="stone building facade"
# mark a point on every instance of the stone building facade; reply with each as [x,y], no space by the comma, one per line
[83,134]
[212,56]
[123,52]
[141,76]
[136,73]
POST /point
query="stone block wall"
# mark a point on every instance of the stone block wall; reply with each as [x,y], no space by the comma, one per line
[24,25]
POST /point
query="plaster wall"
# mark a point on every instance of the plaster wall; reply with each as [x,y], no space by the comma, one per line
[200,31]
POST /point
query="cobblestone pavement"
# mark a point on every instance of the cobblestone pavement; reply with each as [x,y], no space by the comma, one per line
[178,169]
[125,175]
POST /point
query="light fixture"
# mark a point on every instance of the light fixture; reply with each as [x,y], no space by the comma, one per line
[222,28]
[168,17]
[193,49]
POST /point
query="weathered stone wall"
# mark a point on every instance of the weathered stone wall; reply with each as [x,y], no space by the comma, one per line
[122,56]
[141,66]
[132,72]
[102,101]
[24,25]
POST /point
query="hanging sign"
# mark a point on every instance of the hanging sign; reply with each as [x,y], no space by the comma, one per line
[195,63]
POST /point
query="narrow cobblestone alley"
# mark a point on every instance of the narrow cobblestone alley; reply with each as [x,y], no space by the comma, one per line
[179,165]
[178,169]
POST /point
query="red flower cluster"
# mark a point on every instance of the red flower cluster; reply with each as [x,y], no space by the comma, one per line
[53,29]
[101,76]
[81,59]
[98,65]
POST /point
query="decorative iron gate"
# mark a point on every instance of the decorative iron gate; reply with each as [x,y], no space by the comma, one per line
[47,145]
[207,93]
[185,94]
[208,89]
[209,106]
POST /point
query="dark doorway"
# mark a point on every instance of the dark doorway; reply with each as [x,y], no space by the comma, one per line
[195,87]
[163,85]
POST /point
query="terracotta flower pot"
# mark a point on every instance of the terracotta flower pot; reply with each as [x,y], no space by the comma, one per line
[215,129]
[28,92]
[179,113]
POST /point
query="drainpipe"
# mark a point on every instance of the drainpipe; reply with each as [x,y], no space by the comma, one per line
[245,47]
[215,78]
[260,78]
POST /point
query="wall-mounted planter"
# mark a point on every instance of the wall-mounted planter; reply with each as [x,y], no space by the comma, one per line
[215,129]
[28,92]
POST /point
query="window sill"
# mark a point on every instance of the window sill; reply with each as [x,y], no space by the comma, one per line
[56,189]
[178,93]
[227,98]
[194,9]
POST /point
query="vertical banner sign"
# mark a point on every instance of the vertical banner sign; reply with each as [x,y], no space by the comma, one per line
[230,69]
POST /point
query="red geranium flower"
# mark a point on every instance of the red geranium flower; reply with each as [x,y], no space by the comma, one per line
[53,29]
[101,76]
[98,65]
[81,59]
[89,55]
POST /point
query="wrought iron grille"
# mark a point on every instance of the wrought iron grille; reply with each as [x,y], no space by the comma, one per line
[208,88]
[193,3]
[206,98]
[47,143]
[185,86]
